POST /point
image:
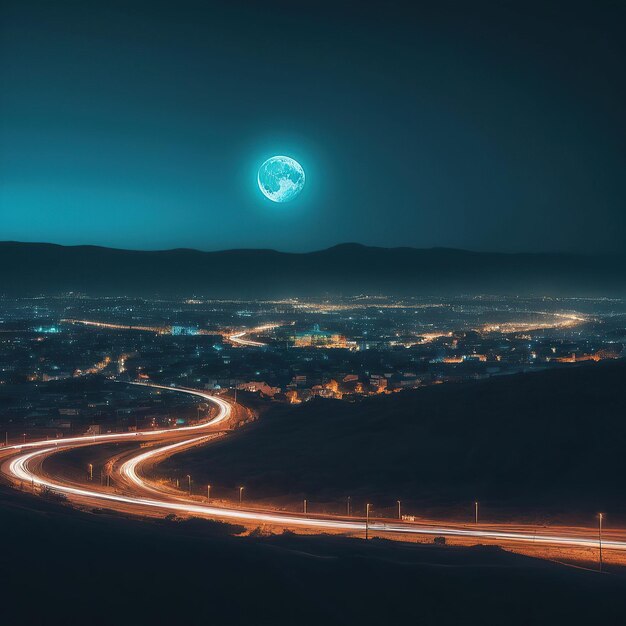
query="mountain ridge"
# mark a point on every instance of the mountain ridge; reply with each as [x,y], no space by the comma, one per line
[343,269]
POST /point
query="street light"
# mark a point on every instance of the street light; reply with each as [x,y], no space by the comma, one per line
[367,520]
[304,507]
[240,495]
[600,517]
[189,479]
[208,493]
[399,509]
[476,512]
[348,506]
[90,466]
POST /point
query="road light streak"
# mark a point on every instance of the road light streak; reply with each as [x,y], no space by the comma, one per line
[19,469]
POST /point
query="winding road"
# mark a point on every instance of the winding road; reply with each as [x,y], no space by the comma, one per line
[239,338]
[23,465]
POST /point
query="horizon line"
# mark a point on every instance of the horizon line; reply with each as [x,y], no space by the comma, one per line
[316,250]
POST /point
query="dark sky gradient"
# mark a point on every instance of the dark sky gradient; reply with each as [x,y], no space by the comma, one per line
[489,126]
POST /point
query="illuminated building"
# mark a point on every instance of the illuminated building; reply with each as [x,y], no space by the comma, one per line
[378,383]
[184,330]
[47,330]
[259,386]
[317,338]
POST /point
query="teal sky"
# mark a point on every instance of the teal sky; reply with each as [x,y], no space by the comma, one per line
[496,126]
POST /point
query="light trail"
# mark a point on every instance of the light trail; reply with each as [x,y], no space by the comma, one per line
[129,468]
[19,469]
[238,338]
[224,413]
[159,330]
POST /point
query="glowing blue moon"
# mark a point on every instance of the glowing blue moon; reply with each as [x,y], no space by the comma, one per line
[281,178]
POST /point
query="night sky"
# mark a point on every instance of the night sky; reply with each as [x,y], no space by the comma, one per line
[488,126]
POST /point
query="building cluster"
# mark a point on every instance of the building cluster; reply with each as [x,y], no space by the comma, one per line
[284,351]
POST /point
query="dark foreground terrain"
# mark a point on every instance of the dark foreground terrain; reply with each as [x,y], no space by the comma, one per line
[59,566]
[547,444]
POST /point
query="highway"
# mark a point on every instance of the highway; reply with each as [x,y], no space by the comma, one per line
[239,338]
[24,464]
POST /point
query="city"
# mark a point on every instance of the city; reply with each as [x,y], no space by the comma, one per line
[294,350]
[78,367]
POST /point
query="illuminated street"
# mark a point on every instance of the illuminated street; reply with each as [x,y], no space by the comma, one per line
[139,495]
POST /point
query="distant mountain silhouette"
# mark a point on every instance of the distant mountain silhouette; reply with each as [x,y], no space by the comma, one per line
[347,269]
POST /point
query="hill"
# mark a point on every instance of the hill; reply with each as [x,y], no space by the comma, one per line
[158,572]
[547,443]
[348,269]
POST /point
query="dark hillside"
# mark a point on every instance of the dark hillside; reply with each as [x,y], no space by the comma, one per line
[62,567]
[550,441]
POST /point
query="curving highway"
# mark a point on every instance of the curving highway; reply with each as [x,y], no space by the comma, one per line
[239,338]
[24,464]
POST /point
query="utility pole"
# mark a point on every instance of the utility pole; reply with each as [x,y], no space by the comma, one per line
[399,509]
[367,521]
[475,512]
[600,516]
[304,507]
[90,466]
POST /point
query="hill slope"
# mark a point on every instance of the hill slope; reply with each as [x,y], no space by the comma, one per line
[544,442]
[156,573]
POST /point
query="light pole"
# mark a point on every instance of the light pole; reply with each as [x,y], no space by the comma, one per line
[208,493]
[24,438]
[348,506]
[90,467]
[367,521]
[475,512]
[189,479]
[304,507]
[600,517]
[240,495]
[399,509]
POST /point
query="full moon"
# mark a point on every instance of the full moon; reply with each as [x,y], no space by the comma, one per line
[281,178]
